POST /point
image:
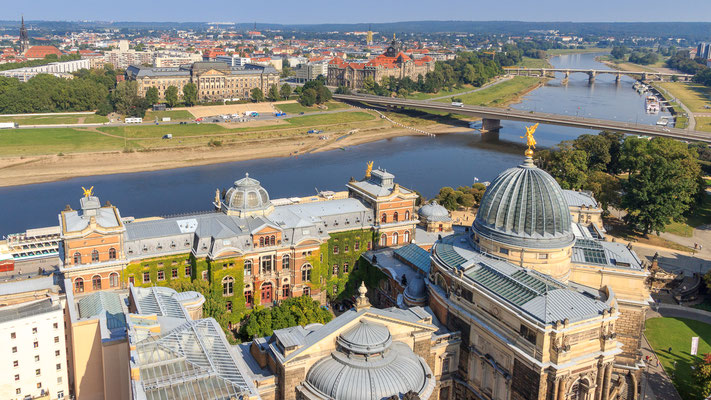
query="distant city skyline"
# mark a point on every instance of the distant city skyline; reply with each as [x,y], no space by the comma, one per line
[367,11]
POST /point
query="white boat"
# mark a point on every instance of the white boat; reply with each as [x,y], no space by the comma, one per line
[652,104]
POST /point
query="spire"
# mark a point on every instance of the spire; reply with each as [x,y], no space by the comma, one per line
[362,301]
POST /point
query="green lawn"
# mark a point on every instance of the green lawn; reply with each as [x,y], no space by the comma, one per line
[174,115]
[693,95]
[327,119]
[676,333]
[295,108]
[444,92]
[528,62]
[54,140]
[55,119]
[700,215]
[703,124]
[501,93]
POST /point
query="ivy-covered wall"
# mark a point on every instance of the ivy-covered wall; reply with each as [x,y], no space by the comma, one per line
[217,271]
[347,253]
[164,264]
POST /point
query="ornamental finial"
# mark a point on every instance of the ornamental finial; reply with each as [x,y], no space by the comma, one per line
[88,192]
[530,140]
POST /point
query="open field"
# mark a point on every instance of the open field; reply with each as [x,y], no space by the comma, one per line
[56,119]
[693,95]
[295,108]
[54,141]
[703,124]
[443,92]
[174,115]
[208,111]
[676,333]
[503,93]
[700,215]
[528,62]
[560,52]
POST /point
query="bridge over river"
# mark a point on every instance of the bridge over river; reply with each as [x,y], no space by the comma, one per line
[592,73]
[491,117]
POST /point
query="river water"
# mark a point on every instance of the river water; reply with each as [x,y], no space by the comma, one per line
[422,163]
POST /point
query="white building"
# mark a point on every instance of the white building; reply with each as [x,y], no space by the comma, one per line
[122,59]
[234,61]
[173,59]
[33,359]
[61,69]
[310,71]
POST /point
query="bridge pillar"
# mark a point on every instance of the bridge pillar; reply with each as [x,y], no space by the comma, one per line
[566,77]
[618,78]
[591,76]
[490,125]
[645,76]
[492,136]
[543,72]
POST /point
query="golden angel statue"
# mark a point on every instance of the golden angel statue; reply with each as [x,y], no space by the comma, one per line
[530,140]
[88,192]
[369,169]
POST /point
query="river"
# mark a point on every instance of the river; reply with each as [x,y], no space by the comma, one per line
[422,163]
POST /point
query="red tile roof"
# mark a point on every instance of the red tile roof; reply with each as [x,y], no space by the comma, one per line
[42,51]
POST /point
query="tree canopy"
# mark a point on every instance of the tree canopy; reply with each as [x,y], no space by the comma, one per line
[291,312]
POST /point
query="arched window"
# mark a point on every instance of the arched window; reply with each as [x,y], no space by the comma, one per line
[285,290]
[77,259]
[272,240]
[79,285]
[261,242]
[267,262]
[96,282]
[285,261]
[396,238]
[112,254]
[335,269]
[306,273]
[247,267]
[407,236]
[95,256]
[113,279]
[227,285]
[384,218]
[248,297]
[396,216]
[345,268]
[383,240]
[266,291]
[407,215]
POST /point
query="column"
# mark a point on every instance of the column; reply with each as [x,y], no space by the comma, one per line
[561,389]
[606,383]
[598,382]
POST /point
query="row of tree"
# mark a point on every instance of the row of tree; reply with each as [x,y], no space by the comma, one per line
[644,56]
[314,92]
[655,181]
[463,196]
[290,312]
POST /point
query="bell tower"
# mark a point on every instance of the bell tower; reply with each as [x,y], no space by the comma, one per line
[24,38]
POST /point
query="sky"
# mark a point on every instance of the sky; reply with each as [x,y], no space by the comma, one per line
[359,11]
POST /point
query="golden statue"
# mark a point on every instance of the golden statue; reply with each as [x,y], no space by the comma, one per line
[88,192]
[369,170]
[530,140]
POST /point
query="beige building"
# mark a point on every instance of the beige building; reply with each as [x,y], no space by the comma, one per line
[214,80]
[174,59]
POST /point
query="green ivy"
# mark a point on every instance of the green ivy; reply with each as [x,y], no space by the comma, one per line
[234,267]
[153,265]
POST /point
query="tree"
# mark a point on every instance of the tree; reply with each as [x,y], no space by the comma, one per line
[605,188]
[618,52]
[190,94]
[171,96]
[274,93]
[598,150]
[343,90]
[285,91]
[702,374]
[257,95]
[291,312]
[568,165]
[152,95]
[663,182]
[308,97]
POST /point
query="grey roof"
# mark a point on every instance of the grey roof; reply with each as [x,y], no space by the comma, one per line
[27,285]
[538,295]
[415,256]
[103,303]
[579,199]
[246,194]
[525,206]
[137,71]
[76,221]
[434,212]
[381,183]
[365,338]
[161,301]
[598,252]
[416,290]
[24,310]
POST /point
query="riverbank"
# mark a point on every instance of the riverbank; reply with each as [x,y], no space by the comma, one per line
[25,170]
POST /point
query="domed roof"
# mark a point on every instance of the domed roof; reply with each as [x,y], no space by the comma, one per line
[369,374]
[525,207]
[434,212]
[415,291]
[246,194]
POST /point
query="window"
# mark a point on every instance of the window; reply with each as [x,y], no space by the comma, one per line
[60,394]
[272,240]
[504,250]
[39,385]
[188,271]
[38,372]
[285,262]
[248,297]
[396,238]
[96,282]
[95,256]
[146,277]
[407,215]
[112,254]
[14,349]
[228,307]
[247,267]
[204,275]
[335,249]
[306,273]
[77,258]
[345,249]
[34,330]
[79,285]
[13,335]
[57,353]
[131,280]
[345,268]
[396,216]
[356,246]
[335,269]
[407,236]
[56,339]
[383,240]
[17,377]
[445,365]
[267,264]
[384,218]
[37,358]
[36,344]
[307,291]
[227,285]
[161,275]
[18,390]
[174,273]
[261,242]
[15,363]
[542,256]
[285,291]
[113,280]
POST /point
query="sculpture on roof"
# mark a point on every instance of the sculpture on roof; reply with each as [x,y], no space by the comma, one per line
[88,192]
[530,140]
[362,301]
[368,170]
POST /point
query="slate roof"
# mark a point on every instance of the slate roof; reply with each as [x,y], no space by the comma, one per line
[579,199]
[416,256]
[24,310]
[104,302]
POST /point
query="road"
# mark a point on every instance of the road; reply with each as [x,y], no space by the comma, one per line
[492,113]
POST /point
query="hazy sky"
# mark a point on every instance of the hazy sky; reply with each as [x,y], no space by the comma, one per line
[336,11]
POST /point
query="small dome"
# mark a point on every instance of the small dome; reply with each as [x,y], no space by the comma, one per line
[525,207]
[434,212]
[246,195]
[365,338]
[415,292]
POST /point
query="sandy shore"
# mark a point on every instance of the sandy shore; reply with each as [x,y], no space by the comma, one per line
[48,168]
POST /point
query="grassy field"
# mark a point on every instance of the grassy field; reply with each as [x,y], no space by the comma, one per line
[455,91]
[502,93]
[295,108]
[692,95]
[54,141]
[528,62]
[174,115]
[703,124]
[676,333]
[700,215]
[559,52]
[56,119]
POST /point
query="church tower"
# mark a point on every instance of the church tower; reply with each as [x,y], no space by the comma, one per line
[24,39]
[369,37]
